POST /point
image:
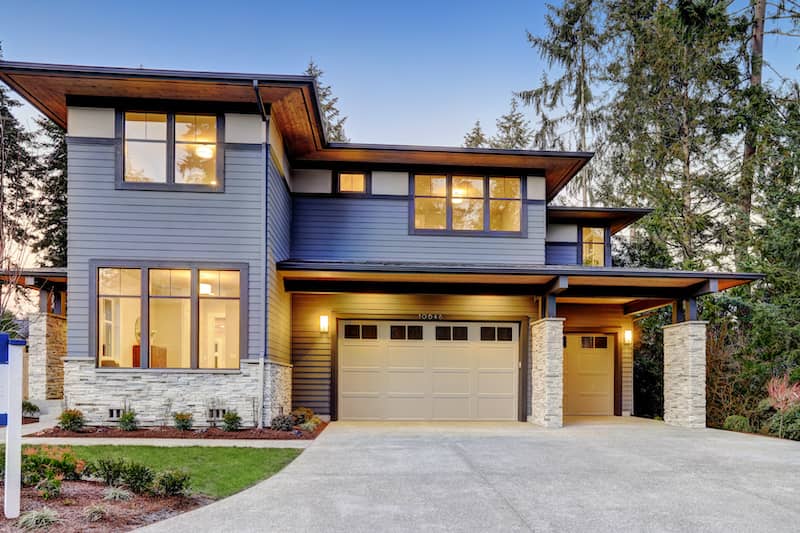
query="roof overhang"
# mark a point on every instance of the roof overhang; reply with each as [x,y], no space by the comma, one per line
[37,278]
[294,104]
[617,218]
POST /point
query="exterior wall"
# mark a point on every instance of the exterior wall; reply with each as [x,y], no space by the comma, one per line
[279,302]
[547,373]
[377,229]
[312,350]
[685,374]
[605,318]
[47,347]
[105,223]
[561,254]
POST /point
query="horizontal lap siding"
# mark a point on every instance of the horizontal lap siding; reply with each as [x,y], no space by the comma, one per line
[560,254]
[376,229]
[106,223]
[279,222]
[311,350]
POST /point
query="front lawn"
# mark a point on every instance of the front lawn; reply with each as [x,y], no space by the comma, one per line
[216,472]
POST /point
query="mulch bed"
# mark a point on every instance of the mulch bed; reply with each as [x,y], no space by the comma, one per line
[172,433]
[29,420]
[76,496]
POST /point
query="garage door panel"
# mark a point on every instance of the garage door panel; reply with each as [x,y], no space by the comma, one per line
[496,408]
[589,376]
[410,382]
[451,382]
[496,382]
[405,356]
[359,406]
[456,407]
[489,358]
[360,356]
[450,358]
[361,382]
[407,407]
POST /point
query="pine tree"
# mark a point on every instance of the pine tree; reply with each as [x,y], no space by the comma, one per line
[51,216]
[513,130]
[334,123]
[476,138]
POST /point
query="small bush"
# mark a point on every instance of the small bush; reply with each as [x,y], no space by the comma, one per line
[302,414]
[110,470]
[95,513]
[786,425]
[71,420]
[39,462]
[117,494]
[183,421]
[311,424]
[171,483]
[38,519]
[283,423]
[49,487]
[231,421]
[137,477]
[737,423]
[30,409]
[127,421]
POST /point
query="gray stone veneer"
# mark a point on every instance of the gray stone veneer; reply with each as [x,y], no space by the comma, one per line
[685,374]
[47,347]
[547,372]
[155,394]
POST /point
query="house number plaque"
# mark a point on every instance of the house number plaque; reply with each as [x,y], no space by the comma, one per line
[431,316]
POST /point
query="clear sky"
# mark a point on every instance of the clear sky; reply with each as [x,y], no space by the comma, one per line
[407,72]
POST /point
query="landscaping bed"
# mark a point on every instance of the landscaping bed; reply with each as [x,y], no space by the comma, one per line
[173,433]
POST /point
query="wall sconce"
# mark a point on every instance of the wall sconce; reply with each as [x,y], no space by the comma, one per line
[323,323]
[627,336]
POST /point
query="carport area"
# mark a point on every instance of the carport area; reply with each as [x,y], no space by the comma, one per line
[594,474]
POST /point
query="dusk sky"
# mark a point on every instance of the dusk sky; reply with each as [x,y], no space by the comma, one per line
[410,72]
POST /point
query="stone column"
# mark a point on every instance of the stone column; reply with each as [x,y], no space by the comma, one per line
[685,374]
[47,347]
[547,372]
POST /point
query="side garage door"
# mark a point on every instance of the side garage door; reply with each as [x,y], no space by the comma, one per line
[398,370]
[589,375]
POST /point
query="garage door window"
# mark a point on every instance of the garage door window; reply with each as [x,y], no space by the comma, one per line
[400,333]
[503,334]
[454,333]
[360,331]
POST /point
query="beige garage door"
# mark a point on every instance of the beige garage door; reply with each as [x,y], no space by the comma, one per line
[589,375]
[399,370]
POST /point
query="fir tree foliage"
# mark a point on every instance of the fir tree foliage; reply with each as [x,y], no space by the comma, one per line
[50,221]
[513,130]
[476,138]
[331,116]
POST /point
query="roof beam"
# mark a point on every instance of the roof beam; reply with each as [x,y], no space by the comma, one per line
[709,286]
[260,102]
[642,306]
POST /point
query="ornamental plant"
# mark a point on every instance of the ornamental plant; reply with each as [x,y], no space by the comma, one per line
[71,420]
[183,420]
[231,421]
[783,396]
[128,421]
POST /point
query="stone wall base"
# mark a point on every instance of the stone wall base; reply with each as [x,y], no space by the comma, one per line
[685,374]
[547,372]
[47,347]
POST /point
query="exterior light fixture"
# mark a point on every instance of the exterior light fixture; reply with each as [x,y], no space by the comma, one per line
[323,323]
[627,336]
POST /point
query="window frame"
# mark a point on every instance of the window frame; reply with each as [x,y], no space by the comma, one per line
[170,185]
[606,245]
[367,184]
[485,232]
[145,267]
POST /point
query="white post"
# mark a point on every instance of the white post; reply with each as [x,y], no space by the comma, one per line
[13,349]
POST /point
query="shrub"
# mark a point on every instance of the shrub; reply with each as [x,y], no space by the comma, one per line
[310,424]
[127,421]
[71,420]
[38,519]
[302,414]
[171,483]
[117,494]
[30,409]
[737,423]
[231,421]
[183,421]
[137,477]
[283,423]
[95,513]
[49,487]
[109,470]
[786,425]
[39,462]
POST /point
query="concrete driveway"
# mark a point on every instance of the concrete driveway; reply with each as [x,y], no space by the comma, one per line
[614,474]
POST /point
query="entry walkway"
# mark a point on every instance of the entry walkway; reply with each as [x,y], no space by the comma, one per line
[591,475]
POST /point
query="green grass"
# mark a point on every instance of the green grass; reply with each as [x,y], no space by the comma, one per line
[216,472]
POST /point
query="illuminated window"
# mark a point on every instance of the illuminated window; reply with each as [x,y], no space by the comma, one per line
[505,204]
[352,182]
[169,151]
[593,246]
[430,202]
[467,203]
[119,307]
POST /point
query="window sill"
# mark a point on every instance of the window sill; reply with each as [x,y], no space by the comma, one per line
[112,370]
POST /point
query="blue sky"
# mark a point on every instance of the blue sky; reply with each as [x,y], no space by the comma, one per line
[408,72]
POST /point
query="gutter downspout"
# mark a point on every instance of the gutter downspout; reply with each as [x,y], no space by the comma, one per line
[261,358]
[264,256]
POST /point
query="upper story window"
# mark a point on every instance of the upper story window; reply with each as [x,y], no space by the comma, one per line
[467,204]
[593,246]
[171,151]
[352,183]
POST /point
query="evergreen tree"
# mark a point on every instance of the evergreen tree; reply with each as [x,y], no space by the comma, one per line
[334,123]
[476,138]
[51,215]
[513,130]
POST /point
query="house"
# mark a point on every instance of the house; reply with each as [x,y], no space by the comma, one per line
[224,255]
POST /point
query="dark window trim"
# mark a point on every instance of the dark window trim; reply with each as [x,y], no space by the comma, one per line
[367,184]
[119,134]
[145,266]
[486,232]
[606,244]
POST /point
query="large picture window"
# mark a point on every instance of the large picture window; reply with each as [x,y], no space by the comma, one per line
[192,316]
[172,151]
[467,204]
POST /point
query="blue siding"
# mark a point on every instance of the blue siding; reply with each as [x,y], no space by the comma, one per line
[357,229]
[279,303]
[561,254]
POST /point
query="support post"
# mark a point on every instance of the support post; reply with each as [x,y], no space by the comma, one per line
[547,372]
[11,354]
[685,374]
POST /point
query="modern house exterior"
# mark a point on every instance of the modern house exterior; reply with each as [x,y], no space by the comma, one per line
[223,254]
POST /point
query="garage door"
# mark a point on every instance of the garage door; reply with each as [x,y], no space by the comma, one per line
[397,370]
[589,375]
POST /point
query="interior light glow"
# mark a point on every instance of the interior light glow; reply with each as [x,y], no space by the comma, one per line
[205,289]
[204,152]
